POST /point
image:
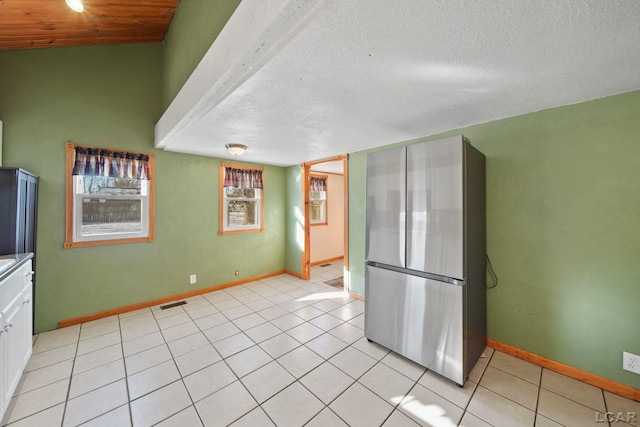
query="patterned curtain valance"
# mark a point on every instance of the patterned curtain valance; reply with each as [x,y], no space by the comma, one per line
[242,178]
[91,161]
[318,183]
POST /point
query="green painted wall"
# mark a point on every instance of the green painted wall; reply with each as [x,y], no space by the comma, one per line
[110,96]
[294,220]
[194,27]
[563,226]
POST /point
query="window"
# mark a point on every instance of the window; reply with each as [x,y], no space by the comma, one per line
[109,197]
[241,199]
[318,199]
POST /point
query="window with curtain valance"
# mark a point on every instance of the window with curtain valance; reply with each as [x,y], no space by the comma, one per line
[110,196]
[318,199]
[90,161]
[241,199]
[318,183]
[242,178]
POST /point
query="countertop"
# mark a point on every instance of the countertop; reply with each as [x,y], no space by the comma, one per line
[10,263]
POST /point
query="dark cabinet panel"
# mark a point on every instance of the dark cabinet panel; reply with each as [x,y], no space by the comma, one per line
[18,209]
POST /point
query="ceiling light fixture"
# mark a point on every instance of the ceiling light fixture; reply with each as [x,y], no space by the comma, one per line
[75,5]
[236,149]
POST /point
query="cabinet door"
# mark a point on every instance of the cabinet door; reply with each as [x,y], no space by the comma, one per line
[13,341]
[26,323]
[3,367]
[27,274]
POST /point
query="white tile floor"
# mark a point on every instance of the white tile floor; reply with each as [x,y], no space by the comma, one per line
[283,352]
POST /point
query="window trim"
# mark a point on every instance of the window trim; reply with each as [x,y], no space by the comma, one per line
[70,200]
[221,228]
[326,200]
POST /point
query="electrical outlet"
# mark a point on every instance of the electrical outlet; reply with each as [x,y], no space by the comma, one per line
[631,362]
[192,279]
[237,273]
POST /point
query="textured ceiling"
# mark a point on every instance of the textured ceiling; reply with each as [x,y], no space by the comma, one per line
[350,75]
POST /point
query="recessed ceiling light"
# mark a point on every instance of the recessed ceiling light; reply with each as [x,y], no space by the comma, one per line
[75,5]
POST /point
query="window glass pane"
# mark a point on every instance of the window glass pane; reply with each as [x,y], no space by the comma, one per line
[317,206]
[106,216]
[242,213]
[245,193]
[316,210]
[113,186]
[318,195]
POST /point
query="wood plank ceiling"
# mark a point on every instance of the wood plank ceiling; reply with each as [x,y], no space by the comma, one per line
[26,24]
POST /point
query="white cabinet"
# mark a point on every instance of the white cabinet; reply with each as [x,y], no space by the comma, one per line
[15,330]
[3,361]
[27,317]
[13,342]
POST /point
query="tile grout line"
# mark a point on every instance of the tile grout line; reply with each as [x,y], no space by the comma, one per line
[73,365]
[465,409]
[606,407]
[175,363]
[104,385]
[535,412]
[126,375]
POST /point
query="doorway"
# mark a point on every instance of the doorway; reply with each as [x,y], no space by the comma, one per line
[320,207]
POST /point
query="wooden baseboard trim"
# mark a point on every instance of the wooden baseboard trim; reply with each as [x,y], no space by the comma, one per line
[138,306]
[294,274]
[356,296]
[578,374]
[325,261]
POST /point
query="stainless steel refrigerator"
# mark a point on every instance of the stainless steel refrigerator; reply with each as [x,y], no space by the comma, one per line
[425,295]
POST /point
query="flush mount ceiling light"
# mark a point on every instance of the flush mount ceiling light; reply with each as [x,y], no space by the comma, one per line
[236,149]
[75,5]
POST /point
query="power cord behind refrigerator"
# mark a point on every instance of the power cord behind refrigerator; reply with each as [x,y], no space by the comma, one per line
[492,273]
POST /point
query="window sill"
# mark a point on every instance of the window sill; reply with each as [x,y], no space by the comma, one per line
[252,230]
[71,245]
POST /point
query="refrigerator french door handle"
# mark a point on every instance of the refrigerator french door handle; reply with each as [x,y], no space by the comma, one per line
[436,277]
[408,208]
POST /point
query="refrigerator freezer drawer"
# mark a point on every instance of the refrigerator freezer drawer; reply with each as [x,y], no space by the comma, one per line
[419,318]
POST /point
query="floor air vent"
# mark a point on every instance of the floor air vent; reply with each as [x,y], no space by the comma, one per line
[173,304]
